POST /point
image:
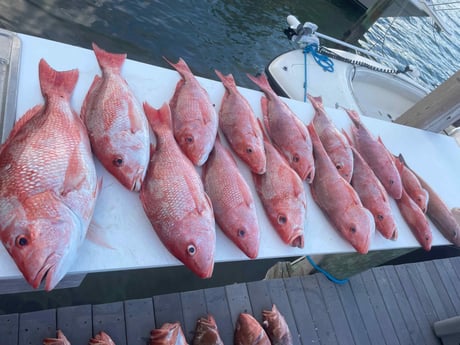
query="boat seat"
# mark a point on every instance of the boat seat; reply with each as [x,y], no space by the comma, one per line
[448,330]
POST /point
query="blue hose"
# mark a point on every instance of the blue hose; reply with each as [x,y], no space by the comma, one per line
[322,60]
[326,273]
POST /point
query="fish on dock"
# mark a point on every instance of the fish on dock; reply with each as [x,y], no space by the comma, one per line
[282,124]
[60,339]
[276,327]
[248,331]
[101,338]
[283,197]
[239,126]
[195,120]
[168,334]
[232,200]
[174,199]
[206,332]
[339,201]
[48,183]
[116,124]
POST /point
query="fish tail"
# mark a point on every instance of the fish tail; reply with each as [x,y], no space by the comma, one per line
[316,101]
[55,82]
[354,116]
[108,60]
[227,80]
[314,136]
[181,67]
[261,81]
[158,117]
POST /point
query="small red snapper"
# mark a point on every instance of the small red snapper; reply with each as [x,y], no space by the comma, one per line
[59,340]
[248,331]
[377,156]
[48,183]
[239,125]
[101,338]
[117,127]
[413,187]
[276,327]
[168,334]
[339,201]
[174,199]
[282,194]
[194,118]
[232,200]
[282,124]
[334,142]
[206,332]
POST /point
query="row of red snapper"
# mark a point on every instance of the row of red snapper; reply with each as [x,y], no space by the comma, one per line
[49,187]
[273,331]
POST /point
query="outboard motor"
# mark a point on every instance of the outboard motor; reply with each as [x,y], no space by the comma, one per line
[302,34]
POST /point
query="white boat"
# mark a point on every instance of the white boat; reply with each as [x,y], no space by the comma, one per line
[340,77]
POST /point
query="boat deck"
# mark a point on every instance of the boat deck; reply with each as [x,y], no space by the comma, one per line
[384,305]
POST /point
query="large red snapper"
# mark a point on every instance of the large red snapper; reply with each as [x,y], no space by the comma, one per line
[339,201]
[174,199]
[232,200]
[168,334]
[334,142]
[282,194]
[239,125]
[377,156]
[248,331]
[286,131]
[117,127]
[194,118]
[48,184]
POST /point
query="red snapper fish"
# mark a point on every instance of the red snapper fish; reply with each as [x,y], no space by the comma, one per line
[174,199]
[334,142]
[414,216]
[413,187]
[339,201]
[195,120]
[206,332]
[249,332]
[168,334]
[59,340]
[48,183]
[101,338]
[377,156]
[286,131]
[232,201]
[117,127]
[282,194]
[276,327]
[239,125]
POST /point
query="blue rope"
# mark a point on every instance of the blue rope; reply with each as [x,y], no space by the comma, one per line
[322,60]
[326,273]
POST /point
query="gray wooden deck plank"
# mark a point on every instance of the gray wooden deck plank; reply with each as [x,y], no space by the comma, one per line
[380,310]
[279,297]
[301,311]
[353,315]
[168,308]
[321,319]
[416,305]
[217,306]
[335,309]
[37,325]
[451,282]
[441,288]
[139,320]
[110,318]
[451,298]
[455,262]
[76,323]
[9,328]
[365,308]
[238,301]
[260,298]
[193,307]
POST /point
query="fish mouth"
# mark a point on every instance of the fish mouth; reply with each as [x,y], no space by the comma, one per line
[137,182]
[47,273]
[297,239]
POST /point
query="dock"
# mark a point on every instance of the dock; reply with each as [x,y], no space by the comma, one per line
[384,305]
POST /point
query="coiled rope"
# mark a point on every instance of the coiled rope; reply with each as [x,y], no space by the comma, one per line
[322,60]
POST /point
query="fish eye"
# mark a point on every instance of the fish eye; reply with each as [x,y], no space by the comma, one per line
[241,232]
[282,219]
[191,250]
[295,158]
[22,240]
[117,161]
[379,217]
[339,166]
[353,229]
[249,150]
[189,139]
[391,181]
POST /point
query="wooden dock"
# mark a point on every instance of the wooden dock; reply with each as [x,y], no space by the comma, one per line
[384,305]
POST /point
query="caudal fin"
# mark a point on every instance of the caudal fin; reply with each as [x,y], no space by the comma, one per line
[158,118]
[55,82]
[227,80]
[262,82]
[108,60]
[181,67]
